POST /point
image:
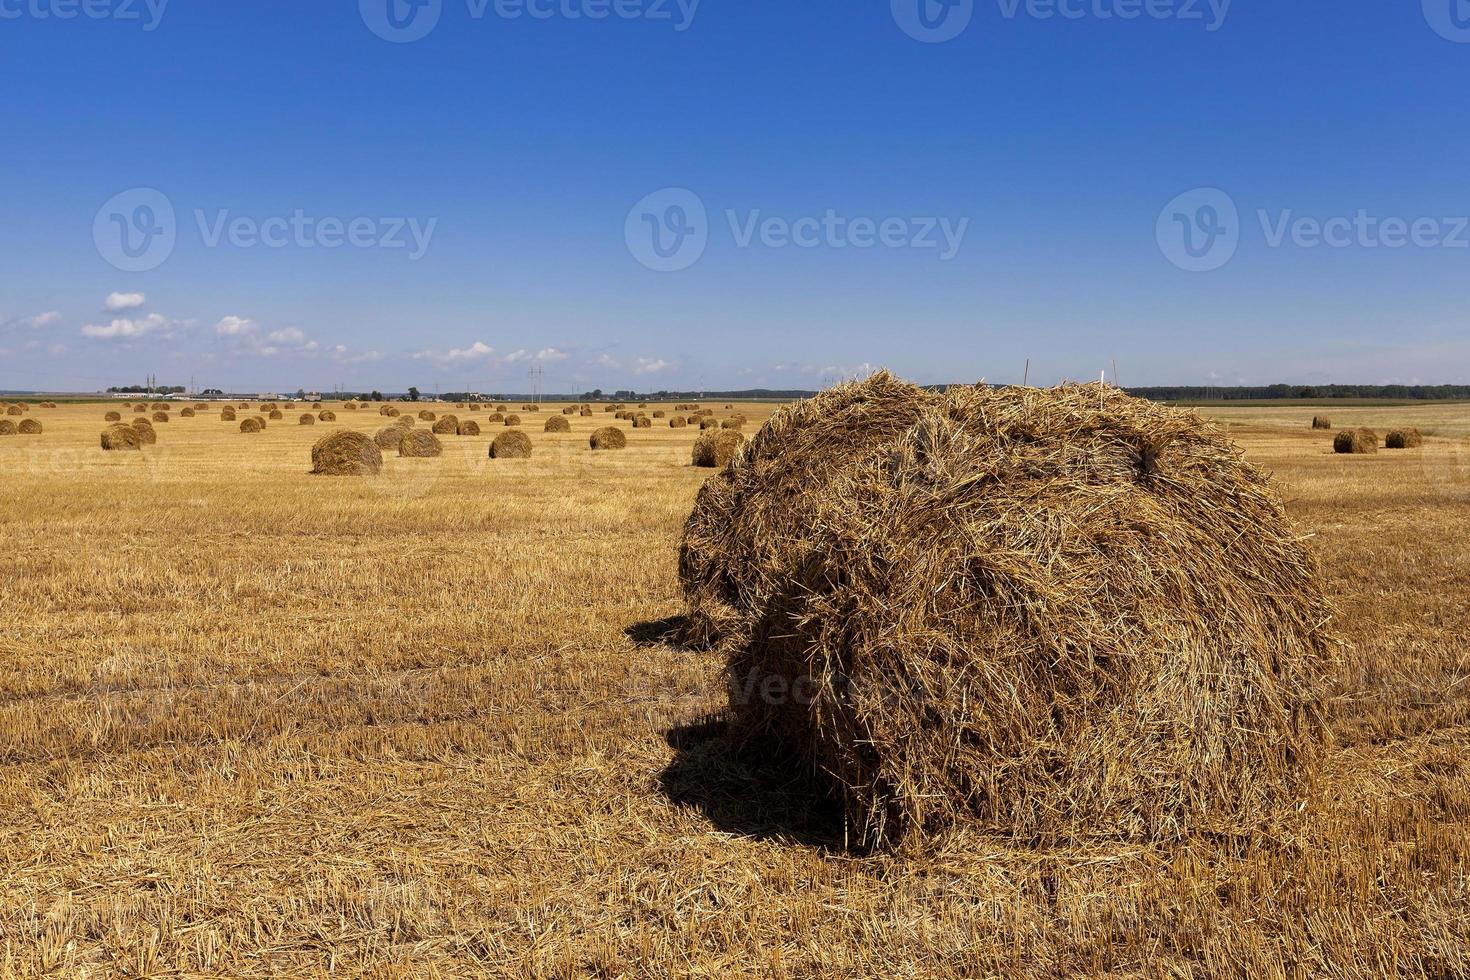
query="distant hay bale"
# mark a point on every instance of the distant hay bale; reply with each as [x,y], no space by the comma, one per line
[426,416]
[570,410]
[586,413]
[705,422]
[29,427]
[533,408]
[469,427]
[385,409]
[275,414]
[447,425]
[608,437]
[643,404]
[346,453]
[146,433]
[160,416]
[350,406]
[1409,438]
[316,406]
[459,404]
[1355,441]
[112,417]
[557,423]
[659,413]
[307,419]
[474,407]
[403,421]
[187,413]
[388,437]
[502,409]
[1007,610]
[7,427]
[717,447]
[677,422]
[732,424]
[243,405]
[227,415]
[200,407]
[512,420]
[251,424]
[117,437]
[642,422]
[1321,422]
[610,408]
[137,409]
[511,445]
[260,419]
[494,418]
[326,415]
[159,406]
[729,406]
[420,444]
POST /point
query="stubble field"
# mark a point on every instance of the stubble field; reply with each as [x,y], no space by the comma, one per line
[254,721]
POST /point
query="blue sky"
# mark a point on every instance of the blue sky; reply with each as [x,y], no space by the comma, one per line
[1064,154]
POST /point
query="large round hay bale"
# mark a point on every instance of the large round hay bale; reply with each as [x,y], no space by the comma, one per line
[29,427]
[7,427]
[243,405]
[307,419]
[316,406]
[251,424]
[677,422]
[1409,438]
[426,416]
[112,417]
[403,422]
[495,418]
[117,437]
[502,409]
[717,447]
[469,427]
[326,415]
[586,413]
[511,445]
[1007,609]
[389,437]
[346,453]
[275,414]
[1321,422]
[448,425]
[608,437]
[160,416]
[227,415]
[570,410]
[557,423]
[420,444]
[350,406]
[392,412]
[735,425]
[708,423]
[140,410]
[610,408]
[512,420]
[642,422]
[660,413]
[1355,441]
[187,413]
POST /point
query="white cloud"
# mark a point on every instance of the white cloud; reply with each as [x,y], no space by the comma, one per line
[118,302]
[516,355]
[290,335]
[477,351]
[551,355]
[608,361]
[41,319]
[649,365]
[234,326]
[124,328]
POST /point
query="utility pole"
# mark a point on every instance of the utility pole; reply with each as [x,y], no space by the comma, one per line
[536,374]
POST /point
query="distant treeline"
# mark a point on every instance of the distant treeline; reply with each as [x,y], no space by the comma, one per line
[1187,393]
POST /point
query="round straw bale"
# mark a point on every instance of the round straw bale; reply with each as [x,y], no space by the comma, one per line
[570,410]
[388,437]
[511,445]
[1409,438]
[350,406]
[393,413]
[7,427]
[160,416]
[187,413]
[717,447]
[502,409]
[403,421]
[426,416]
[140,410]
[512,420]
[642,422]
[419,443]
[276,414]
[733,424]
[227,415]
[608,437]
[1321,422]
[660,413]
[557,423]
[326,415]
[1355,441]
[533,408]
[610,408]
[1006,609]
[677,422]
[307,419]
[447,425]
[316,405]
[475,406]
[251,424]
[346,453]
[116,437]
[29,427]
[113,417]
[586,413]
[708,423]
[469,427]
[494,418]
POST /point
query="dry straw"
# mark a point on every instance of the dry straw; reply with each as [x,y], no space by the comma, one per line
[227,415]
[7,427]
[557,423]
[388,437]
[187,413]
[469,427]
[251,424]
[118,437]
[448,425]
[642,422]
[29,427]
[512,420]
[420,443]
[677,422]
[1321,422]
[1057,614]
[705,422]
[113,417]
[307,419]
[1409,438]
[718,447]
[426,416]
[346,453]
[608,437]
[275,414]
[511,445]
[1355,441]
[327,415]
[160,416]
